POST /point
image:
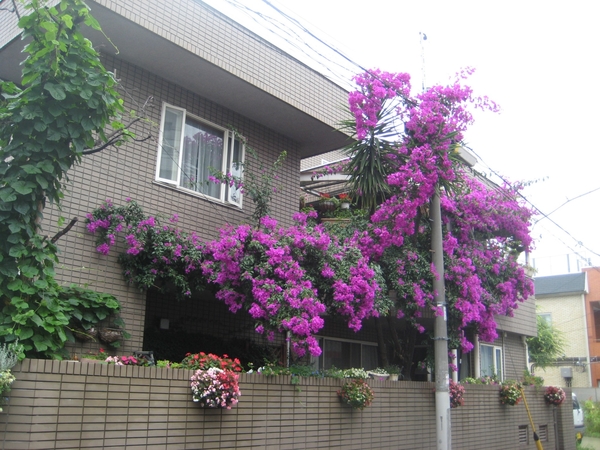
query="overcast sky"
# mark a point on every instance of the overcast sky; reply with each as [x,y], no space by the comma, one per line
[537,59]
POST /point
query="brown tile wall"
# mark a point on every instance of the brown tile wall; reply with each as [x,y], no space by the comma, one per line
[74,405]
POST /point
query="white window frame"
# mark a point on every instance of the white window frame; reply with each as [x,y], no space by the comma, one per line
[226,193]
[546,316]
[498,357]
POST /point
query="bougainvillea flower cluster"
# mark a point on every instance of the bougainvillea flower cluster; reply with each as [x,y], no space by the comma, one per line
[286,278]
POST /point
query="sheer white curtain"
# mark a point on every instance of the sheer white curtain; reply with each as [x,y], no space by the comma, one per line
[202,149]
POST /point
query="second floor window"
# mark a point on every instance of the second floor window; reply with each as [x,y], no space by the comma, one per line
[190,147]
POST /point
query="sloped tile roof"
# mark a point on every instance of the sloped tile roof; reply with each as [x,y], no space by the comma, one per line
[572,283]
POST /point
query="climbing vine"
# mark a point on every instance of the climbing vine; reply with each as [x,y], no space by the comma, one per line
[66,106]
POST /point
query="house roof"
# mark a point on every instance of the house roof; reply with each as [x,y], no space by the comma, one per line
[572,283]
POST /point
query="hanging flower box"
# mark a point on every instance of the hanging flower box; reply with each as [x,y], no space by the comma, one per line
[510,393]
[356,393]
[554,395]
[215,388]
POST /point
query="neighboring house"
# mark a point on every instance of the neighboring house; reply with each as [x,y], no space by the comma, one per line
[562,300]
[592,302]
[206,72]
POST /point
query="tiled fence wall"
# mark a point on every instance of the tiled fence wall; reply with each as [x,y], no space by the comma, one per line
[77,405]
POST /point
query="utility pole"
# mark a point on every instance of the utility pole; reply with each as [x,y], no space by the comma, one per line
[442,380]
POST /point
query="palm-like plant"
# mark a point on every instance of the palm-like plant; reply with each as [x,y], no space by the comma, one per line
[373,158]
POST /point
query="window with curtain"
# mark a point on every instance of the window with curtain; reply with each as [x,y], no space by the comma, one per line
[191,147]
[490,360]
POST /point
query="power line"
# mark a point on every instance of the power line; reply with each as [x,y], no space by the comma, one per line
[538,210]
[568,201]
[294,38]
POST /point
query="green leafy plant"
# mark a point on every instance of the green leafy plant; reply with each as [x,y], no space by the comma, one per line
[258,185]
[591,418]
[547,346]
[334,372]
[9,355]
[65,312]
[510,393]
[392,369]
[356,393]
[63,110]
[489,380]
[532,380]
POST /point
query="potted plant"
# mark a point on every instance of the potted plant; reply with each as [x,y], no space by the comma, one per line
[356,373]
[554,395]
[394,371]
[379,374]
[510,393]
[345,201]
[356,393]
[326,203]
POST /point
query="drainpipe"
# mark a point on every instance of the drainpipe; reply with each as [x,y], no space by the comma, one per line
[524,340]
[442,380]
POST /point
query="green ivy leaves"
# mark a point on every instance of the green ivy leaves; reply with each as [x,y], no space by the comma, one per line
[66,101]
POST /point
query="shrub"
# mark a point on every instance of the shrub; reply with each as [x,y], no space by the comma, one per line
[591,418]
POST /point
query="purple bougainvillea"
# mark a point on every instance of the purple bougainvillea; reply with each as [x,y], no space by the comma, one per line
[288,278]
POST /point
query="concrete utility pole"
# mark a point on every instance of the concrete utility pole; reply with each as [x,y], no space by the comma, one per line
[442,381]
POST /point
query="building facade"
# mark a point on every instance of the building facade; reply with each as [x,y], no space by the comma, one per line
[592,301]
[562,301]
